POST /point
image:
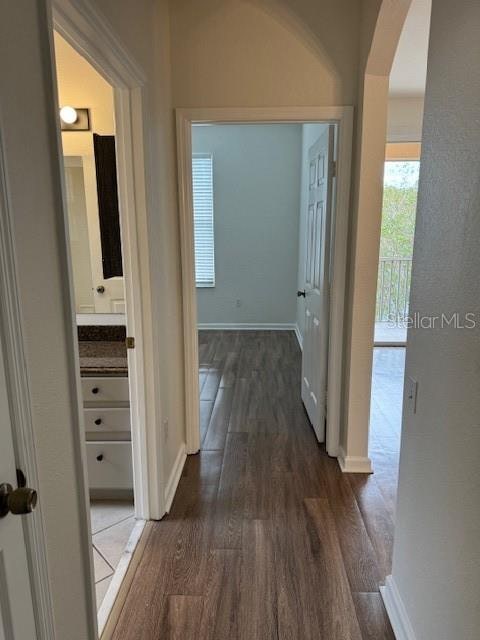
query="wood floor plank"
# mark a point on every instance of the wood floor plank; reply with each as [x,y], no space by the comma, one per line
[377,519]
[147,592]
[203,468]
[297,606]
[187,568]
[338,616]
[266,539]
[182,617]
[231,494]
[230,370]
[258,598]
[212,382]
[216,433]
[220,619]
[359,556]
[373,619]
[206,407]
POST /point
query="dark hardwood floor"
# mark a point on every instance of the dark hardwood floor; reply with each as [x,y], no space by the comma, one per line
[266,538]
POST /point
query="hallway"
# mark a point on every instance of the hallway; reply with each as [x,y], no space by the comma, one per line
[266,537]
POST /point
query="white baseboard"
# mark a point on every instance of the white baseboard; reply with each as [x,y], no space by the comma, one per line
[299,337]
[354,464]
[401,625]
[246,326]
[174,478]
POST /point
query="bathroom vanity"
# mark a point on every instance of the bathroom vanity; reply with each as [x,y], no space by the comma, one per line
[105,390]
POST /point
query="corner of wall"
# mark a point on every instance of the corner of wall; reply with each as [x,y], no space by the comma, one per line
[354,464]
[174,477]
[396,611]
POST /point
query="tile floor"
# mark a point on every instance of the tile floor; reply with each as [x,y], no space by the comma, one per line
[112,523]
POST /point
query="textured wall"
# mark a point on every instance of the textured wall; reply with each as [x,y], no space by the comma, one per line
[436,563]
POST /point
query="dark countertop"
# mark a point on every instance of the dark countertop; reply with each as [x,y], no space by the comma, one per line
[103,358]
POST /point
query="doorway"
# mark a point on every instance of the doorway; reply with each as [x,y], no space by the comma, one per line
[400,189]
[88,142]
[108,361]
[341,119]
[262,204]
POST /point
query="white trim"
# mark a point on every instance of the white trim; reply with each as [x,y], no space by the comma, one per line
[21,414]
[246,326]
[137,543]
[343,117]
[402,137]
[87,30]
[106,610]
[175,476]
[102,319]
[397,613]
[354,464]
[299,336]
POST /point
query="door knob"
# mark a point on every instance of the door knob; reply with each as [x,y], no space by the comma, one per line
[301,293]
[17,501]
[101,289]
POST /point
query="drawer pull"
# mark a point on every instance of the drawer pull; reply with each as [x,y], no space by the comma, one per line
[95,390]
[100,457]
[98,421]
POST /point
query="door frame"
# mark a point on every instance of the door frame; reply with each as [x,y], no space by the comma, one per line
[85,29]
[342,116]
[18,393]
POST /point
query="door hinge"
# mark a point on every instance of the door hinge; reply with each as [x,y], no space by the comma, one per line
[334,168]
[130,342]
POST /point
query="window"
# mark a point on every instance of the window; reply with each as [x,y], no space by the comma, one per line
[202,179]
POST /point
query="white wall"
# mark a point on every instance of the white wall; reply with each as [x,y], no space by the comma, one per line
[257,53]
[79,85]
[143,27]
[310,133]
[294,52]
[405,117]
[436,564]
[256,182]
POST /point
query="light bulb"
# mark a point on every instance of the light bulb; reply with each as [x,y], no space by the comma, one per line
[68,115]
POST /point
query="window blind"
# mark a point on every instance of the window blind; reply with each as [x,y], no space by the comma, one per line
[202,182]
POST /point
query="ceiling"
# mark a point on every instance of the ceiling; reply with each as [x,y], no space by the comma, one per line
[409,70]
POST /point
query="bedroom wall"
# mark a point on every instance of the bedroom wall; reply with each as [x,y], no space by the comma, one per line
[256,183]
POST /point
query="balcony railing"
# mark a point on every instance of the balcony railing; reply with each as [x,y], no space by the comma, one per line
[393,289]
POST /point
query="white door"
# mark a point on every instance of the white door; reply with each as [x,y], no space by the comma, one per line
[317,276]
[108,294]
[36,321]
[16,607]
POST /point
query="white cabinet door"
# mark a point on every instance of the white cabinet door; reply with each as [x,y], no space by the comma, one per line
[16,607]
[317,275]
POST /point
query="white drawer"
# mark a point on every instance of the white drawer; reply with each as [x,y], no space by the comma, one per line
[109,465]
[105,389]
[106,419]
